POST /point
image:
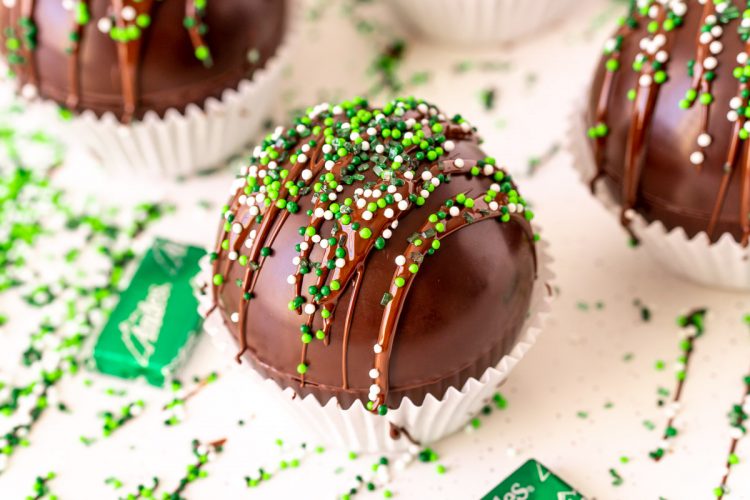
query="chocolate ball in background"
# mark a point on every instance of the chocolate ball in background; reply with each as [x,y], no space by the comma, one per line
[667,113]
[374,254]
[128,57]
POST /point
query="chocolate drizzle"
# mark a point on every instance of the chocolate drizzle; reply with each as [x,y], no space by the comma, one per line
[74,61]
[129,53]
[359,183]
[664,24]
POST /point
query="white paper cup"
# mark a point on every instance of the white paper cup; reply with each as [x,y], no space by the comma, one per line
[723,264]
[198,140]
[476,22]
[358,429]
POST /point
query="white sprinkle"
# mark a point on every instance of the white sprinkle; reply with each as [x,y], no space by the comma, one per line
[454,211]
[374,373]
[377,348]
[374,389]
[644,80]
[387,233]
[307,174]
[710,63]
[128,13]
[340,263]
[449,146]
[742,58]
[732,116]
[426,175]
[309,308]
[302,158]
[237,228]
[367,215]
[458,162]
[232,255]
[662,56]
[29,91]
[704,140]
[696,158]
[717,31]
[291,279]
[403,205]
[705,38]
[388,212]
[235,317]
[104,25]
[400,260]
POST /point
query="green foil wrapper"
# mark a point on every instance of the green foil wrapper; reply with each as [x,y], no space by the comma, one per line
[533,481]
[156,319]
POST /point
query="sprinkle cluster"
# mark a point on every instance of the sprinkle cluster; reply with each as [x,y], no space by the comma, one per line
[691,328]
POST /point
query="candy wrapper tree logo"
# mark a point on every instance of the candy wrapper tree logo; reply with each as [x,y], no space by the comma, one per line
[170,256]
[141,330]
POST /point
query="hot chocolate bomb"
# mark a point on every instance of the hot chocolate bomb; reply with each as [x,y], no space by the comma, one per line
[127,57]
[374,255]
[668,116]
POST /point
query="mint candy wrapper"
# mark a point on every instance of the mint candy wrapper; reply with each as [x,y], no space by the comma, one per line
[153,326]
[533,481]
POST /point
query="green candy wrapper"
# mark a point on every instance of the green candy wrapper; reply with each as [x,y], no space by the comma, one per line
[156,319]
[533,481]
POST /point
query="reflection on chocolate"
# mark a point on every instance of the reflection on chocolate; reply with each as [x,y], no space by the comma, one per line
[128,57]
[374,254]
[668,113]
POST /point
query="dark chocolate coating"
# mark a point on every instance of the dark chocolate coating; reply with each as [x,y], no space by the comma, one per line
[671,189]
[463,313]
[168,73]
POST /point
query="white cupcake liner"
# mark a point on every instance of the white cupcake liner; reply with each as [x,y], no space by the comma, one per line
[201,138]
[724,264]
[475,22]
[358,429]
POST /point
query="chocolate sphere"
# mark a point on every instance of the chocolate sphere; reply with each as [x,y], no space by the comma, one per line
[667,113]
[127,57]
[374,254]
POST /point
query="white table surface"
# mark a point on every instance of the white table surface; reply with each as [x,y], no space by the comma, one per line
[599,361]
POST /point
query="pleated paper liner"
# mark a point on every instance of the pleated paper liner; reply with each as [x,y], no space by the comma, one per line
[200,139]
[723,264]
[358,429]
[477,22]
